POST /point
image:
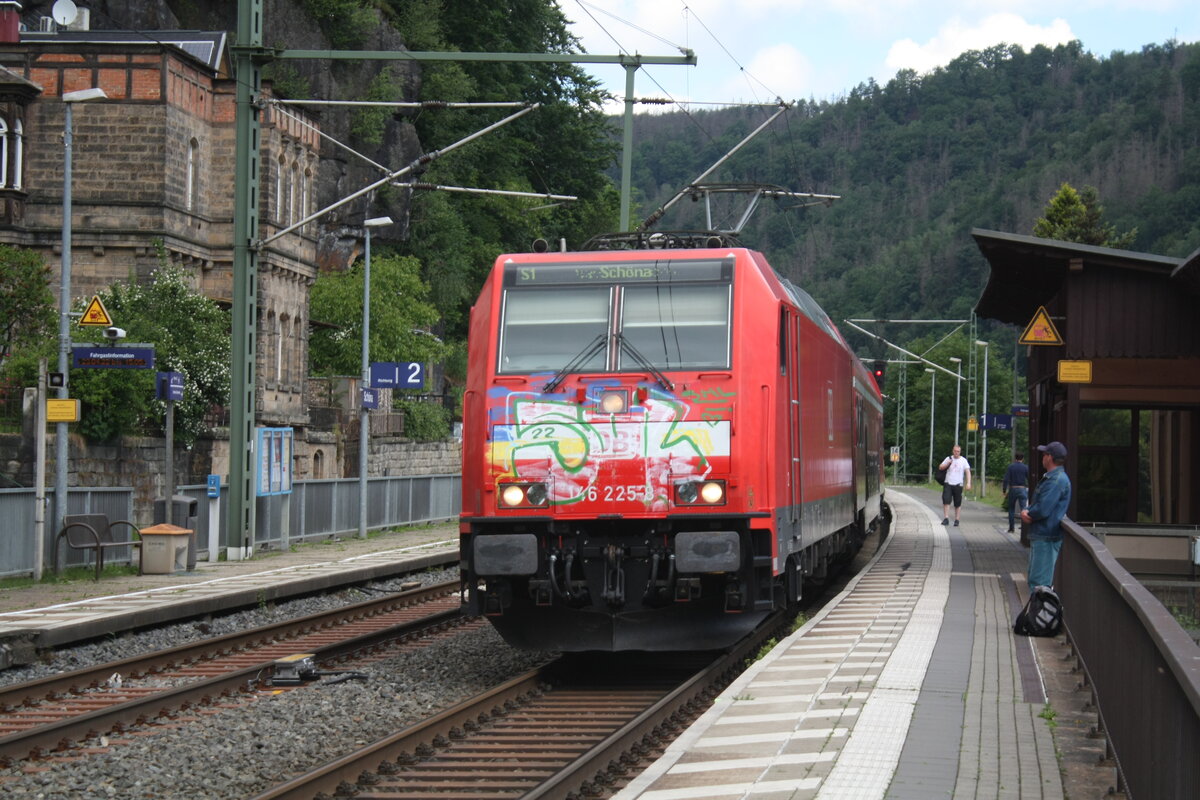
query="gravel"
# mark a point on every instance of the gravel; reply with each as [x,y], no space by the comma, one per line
[241,751]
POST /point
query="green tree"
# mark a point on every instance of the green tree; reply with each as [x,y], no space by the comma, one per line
[190,334]
[401,317]
[1073,216]
[26,303]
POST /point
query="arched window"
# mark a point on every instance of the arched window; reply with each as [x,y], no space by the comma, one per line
[299,354]
[280,344]
[306,194]
[3,152]
[318,464]
[193,178]
[294,192]
[18,166]
[280,210]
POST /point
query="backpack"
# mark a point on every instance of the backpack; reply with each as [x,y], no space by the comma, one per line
[1042,614]
[940,476]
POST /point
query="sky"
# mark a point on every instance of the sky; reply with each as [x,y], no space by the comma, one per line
[758,50]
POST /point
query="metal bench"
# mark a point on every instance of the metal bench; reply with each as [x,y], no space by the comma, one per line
[91,532]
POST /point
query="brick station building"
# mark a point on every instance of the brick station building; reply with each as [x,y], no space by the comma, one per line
[153,165]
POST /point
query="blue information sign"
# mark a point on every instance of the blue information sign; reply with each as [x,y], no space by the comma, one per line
[370,398]
[214,485]
[87,356]
[997,422]
[169,386]
[397,375]
[1020,411]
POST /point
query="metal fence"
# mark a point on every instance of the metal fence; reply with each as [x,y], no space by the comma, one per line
[315,510]
[1144,669]
[17,507]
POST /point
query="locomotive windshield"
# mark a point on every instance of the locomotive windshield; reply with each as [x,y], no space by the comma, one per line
[675,314]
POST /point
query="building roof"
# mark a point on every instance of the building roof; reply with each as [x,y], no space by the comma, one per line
[1028,271]
[207,47]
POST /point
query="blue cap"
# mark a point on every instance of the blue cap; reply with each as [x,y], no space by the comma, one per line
[1057,450]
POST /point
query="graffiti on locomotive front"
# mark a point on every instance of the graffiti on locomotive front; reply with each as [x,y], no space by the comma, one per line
[585,456]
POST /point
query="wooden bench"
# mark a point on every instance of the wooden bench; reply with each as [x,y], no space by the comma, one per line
[92,532]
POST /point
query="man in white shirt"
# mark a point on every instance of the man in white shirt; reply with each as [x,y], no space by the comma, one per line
[958,470]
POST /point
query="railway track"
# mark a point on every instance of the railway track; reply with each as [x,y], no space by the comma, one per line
[53,713]
[573,728]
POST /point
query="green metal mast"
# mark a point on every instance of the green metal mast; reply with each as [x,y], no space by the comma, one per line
[248,57]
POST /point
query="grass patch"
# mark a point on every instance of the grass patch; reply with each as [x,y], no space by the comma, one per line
[69,575]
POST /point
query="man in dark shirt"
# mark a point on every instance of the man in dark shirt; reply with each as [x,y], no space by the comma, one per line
[1016,487]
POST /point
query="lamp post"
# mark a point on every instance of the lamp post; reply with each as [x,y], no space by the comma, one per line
[932,406]
[957,398]
[364,426]
[61,452]
[983,458]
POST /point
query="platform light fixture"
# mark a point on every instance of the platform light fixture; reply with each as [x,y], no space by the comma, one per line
[61,450]
[957,398]
[932,408]
[364,421]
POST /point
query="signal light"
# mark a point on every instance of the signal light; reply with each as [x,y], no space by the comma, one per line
[878,369]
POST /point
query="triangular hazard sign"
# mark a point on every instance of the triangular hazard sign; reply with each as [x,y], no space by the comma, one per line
[1041,330]
[96,313]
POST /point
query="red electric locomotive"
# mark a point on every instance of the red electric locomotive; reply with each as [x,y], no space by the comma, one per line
[659,447]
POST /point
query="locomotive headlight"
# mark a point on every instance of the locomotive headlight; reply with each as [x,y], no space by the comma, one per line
[535,494]
[517,495]
[614,401]
[710,493]
[512,495]
[713,492]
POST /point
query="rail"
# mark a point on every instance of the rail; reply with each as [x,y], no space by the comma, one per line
[1144,669]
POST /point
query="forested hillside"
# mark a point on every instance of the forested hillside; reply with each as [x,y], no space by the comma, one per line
[918,162]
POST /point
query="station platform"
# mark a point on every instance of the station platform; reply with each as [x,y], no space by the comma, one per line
[909,685]
[43,616]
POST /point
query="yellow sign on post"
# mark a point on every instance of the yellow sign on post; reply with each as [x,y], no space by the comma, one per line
[1074,371]
[1041,330]
[96,314]
[62,410]
[972,424]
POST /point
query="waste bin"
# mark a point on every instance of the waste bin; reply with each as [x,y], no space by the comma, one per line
[164,549]
[183,515]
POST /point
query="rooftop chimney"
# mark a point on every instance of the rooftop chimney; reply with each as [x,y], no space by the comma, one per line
[10,21]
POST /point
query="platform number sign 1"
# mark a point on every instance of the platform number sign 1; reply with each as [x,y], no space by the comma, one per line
[397,375]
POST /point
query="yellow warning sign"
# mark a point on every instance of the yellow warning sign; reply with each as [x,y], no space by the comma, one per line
[1041,330]
[1074,371]
[62,410]
[96,314]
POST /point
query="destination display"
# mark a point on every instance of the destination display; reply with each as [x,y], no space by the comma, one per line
[101,357]
[618,272]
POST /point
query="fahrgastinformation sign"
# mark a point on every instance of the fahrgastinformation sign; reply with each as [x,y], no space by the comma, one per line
[88,356]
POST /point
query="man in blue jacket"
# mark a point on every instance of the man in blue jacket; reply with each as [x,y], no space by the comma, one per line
[1045,513]
[1016,488]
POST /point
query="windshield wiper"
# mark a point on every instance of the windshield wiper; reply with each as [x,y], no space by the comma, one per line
[645,364]
[590,350]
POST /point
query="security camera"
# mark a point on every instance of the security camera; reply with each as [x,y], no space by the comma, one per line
[114,333]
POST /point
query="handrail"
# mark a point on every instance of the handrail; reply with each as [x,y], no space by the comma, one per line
[1144,669]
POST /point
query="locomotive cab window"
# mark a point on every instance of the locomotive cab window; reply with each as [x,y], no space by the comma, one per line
[617,316]
[544,329]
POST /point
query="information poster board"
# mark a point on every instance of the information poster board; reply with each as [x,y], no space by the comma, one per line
[273,455]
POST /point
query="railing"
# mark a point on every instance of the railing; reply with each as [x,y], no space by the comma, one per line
[316,509]
[17,507]
[1143,667]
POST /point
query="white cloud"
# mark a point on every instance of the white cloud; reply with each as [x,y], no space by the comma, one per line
[955,37]
[776,71]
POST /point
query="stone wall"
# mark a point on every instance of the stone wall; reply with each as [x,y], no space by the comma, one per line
[138,462]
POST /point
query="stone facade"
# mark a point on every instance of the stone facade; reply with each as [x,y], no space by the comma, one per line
[153,166]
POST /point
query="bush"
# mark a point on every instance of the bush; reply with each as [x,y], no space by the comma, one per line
[424,421]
